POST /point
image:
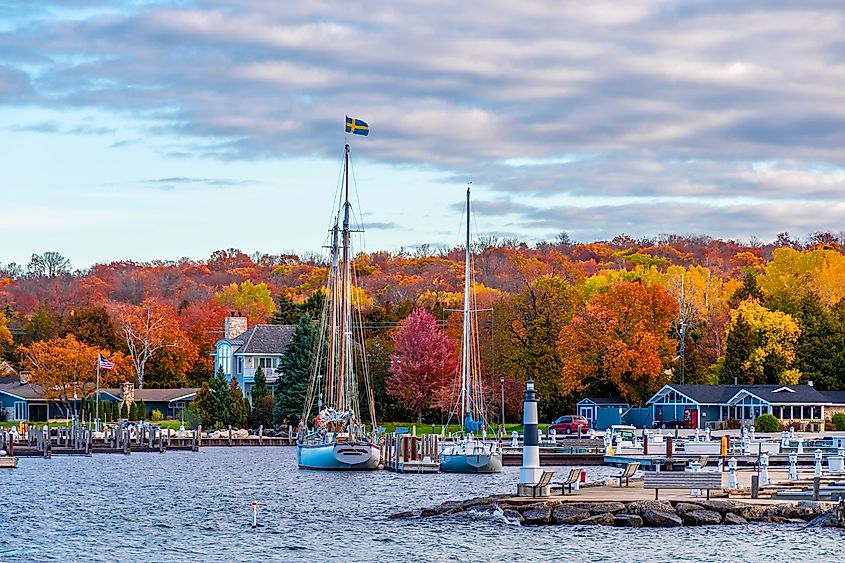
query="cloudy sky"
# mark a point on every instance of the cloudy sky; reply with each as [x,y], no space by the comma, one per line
[162,129]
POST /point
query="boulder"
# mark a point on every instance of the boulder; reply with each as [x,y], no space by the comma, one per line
[569,514]
[605,519]
[702,517]
[448,507]
[599,507]
[627,521]
[731,518]
[511,514]
[751,512]
[537,516]
[639,506]
[661,519]
[721,506]
[406,514]
[683,507]
[790,511]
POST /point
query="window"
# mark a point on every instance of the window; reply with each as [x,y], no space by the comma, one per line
[267,363]
[20,410]
[224,358]
[240,365]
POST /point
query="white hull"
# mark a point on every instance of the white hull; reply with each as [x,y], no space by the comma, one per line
[471,456]
[339,456]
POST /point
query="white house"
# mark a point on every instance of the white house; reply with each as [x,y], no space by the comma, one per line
[243,350]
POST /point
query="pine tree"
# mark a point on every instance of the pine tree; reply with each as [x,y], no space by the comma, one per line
[261,413]
[133,412]
[220,405]
[287,312]
[259,388]
[142,410]
[200,407]
[115,411]
[238,406]
[295,371]
[124,410]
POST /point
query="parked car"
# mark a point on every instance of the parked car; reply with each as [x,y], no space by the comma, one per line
[570,424]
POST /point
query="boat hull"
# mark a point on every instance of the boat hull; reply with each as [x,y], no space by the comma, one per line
[471,463]
[339,456]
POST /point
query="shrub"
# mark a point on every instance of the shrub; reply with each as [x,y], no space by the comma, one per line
[838,421]
[142,410]
[156,416]
[133,412]
[767,423]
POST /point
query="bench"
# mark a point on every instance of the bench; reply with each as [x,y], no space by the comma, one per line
[683,480]
[545,479]
[627,473]
[571,479]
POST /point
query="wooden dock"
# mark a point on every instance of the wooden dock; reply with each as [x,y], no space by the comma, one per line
[411,454]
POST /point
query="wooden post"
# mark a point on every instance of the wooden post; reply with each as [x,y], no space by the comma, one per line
[230,435]
[816,484]
[755,485]
[669,447]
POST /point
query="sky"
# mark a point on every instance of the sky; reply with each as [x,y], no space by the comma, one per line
[164,129]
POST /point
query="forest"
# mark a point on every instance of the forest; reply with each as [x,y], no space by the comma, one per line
[608,318]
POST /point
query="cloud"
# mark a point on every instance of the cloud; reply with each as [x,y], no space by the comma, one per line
[169,184]
[654,103]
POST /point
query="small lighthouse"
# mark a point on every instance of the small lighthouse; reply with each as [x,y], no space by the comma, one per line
[530,472]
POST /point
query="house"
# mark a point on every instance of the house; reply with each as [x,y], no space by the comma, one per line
[24,401]
[243,350]
[700,406]
[602,412]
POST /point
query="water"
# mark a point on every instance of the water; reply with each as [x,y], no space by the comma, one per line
[197,507]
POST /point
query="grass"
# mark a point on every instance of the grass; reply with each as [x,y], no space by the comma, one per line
[426,428]
[172,424]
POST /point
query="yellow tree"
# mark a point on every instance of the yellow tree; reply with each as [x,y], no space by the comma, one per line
[760,346]
[66,369]
[791,272]
[5,334]
[251,300]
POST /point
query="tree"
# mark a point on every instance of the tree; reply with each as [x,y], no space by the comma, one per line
[219,411]
[238,405]
[66,368]
[142,410]
[5,333]
[767,423]
[94,326]
[287,312]
[619,344]
[422,361]
[133,412]
[115,411]
[295,373]
[251,300]
[198,411]
[40,326]
[261,413]
[765,346]
[147,328]
[259,387]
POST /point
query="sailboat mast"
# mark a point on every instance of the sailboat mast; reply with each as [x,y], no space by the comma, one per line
[465,371]
[333,320]
[344,294]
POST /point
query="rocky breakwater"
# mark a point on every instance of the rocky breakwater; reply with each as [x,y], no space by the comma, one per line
[638,513]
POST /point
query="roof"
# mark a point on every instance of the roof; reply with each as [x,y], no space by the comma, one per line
[777,394]
[156,395]
[25,391]
[835,397]
[264,339]
[605,401]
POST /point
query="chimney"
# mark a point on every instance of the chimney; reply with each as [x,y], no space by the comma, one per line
[25,377]
[810,383]
[234,326]
[128,392]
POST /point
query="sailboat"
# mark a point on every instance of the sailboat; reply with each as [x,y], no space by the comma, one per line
[470,453]
[336,438]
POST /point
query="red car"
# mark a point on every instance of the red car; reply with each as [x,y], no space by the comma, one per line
[570,424]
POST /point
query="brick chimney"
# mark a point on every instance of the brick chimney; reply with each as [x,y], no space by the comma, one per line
[234,326]
[25,377]
[128,392]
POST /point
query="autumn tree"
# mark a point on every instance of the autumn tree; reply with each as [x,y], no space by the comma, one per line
[251,300]
[66,368]
[93,326]
[147,328]
[5,333]
[620,343]
[760,346]
[423,362]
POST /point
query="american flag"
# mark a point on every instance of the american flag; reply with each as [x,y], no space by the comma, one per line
[105,364]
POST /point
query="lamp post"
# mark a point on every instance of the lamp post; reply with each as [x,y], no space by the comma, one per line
[502,381]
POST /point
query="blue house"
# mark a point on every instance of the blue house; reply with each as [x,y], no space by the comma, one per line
[602,412]
[700,406]
[243,350]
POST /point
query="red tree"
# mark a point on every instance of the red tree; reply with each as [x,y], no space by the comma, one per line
[423,361]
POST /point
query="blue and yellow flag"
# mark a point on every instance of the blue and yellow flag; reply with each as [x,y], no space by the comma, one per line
[356,126]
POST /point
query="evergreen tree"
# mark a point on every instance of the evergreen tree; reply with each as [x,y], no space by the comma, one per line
[219,412]
[259,388]
[133,412]
[295,371]
[820,351]
[261,413]
[287,312]
[142,410]
[115,411]
[124,410]
[739,344]
[238,405]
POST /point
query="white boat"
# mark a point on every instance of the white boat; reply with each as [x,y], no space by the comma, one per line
[470,453]
[334,435]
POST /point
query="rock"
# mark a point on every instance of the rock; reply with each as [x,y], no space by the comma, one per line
[537,516]
[512,514]
[683,507]
[448,507]
[599,507]
[721,506]
[661,519]
[702,517]
[789,511]
[731,518]
[569,514]
[406,514]
[627,521]
[639,506]
[605,519]
[751,512]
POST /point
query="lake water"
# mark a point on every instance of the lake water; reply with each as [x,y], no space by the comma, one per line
[181,506]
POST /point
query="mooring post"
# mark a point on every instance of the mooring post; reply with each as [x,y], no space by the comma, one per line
[261,435]
[230,434]
[816,485]
[755,485]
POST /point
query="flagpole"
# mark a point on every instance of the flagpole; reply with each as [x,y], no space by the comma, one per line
[97,398]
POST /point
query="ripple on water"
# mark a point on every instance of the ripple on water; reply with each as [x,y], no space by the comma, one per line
[197,507]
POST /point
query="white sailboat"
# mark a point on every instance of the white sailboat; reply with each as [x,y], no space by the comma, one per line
[337,438]
[470,453]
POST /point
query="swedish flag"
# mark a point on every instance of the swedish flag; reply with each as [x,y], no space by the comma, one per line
[356,126]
